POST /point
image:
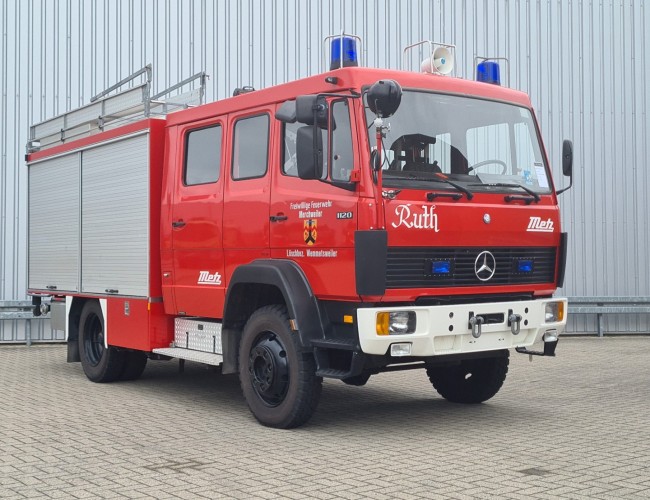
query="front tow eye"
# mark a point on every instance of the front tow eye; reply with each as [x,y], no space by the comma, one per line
[514,320]
[475,323]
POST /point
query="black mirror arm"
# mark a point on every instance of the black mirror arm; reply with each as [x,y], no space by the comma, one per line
[567,164]
[348,186]
[557,193]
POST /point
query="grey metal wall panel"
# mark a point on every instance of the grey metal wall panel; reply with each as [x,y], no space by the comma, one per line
[115,218]
[585,65]
[28,331]
[54,224]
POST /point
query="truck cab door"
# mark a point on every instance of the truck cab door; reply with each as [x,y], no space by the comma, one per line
[196,220]
[313,221]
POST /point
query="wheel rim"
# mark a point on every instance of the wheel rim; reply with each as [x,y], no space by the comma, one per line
[269,369]
[94,339]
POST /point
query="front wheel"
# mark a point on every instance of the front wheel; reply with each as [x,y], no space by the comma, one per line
[472,381]
[279,381]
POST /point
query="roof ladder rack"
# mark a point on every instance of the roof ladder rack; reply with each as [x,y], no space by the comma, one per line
[109,111]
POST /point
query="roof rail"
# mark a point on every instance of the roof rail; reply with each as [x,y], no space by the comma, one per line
[109,111]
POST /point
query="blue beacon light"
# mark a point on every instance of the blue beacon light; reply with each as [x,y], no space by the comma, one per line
[488,72]
[350,57]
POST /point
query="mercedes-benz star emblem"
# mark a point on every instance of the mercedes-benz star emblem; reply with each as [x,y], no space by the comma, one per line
[485,265]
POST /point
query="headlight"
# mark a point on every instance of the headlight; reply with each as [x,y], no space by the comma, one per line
[395,322]
[554,312]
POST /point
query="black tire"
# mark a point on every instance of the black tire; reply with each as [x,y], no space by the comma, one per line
[100,364]
[472,381]
[134,365]
[279,381]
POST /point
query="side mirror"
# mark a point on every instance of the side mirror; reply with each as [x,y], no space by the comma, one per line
[312,109]
[309,152]
[287,112]
[567,163]
[567,158]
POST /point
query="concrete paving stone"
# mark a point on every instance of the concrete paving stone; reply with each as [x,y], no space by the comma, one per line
[58,493]
[137,494]
[22,492]
[242,494]
[82,493]
[202,493]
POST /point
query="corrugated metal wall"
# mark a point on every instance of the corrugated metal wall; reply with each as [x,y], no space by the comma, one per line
[584,63]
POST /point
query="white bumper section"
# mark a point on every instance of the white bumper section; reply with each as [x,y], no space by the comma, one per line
[446,329]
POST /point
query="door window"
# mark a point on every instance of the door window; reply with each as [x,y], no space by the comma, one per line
[289,163]
[250,147]
[203,156]
[341,152]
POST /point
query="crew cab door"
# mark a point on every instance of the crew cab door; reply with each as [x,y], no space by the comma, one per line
[313,221]
[246,204]
[196,220]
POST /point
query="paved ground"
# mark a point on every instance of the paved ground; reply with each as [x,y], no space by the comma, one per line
[577,426]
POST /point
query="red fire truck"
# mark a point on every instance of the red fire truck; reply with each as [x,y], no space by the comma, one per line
[346,224]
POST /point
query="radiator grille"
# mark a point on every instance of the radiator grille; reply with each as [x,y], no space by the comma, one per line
[413,267]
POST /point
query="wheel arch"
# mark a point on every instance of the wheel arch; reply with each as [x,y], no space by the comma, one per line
[262,283]
[74,316]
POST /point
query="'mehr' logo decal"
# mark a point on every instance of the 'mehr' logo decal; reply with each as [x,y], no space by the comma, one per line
[537,225]
[205,278]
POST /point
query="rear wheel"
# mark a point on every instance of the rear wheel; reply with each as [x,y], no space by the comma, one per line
[279,381]
[100,363]
[471,381]
[134,365]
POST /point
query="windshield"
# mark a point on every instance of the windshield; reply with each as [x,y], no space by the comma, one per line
[486,145]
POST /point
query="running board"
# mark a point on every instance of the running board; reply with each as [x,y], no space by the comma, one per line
[190,355]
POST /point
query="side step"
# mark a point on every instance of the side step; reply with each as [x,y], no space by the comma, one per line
[190,355]
[333,373]
[342,344]
[195,339]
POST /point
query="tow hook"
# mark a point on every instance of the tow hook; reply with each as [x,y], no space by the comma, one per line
[475,323]
[514,320]
[550,343]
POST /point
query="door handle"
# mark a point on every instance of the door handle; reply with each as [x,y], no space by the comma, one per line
[278,218]
[178,223]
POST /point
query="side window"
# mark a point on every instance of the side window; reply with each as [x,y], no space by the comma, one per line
[341,152]
[289,164]
[250,147]
[202,156]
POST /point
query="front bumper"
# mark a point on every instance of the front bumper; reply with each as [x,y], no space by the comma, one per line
[449,329]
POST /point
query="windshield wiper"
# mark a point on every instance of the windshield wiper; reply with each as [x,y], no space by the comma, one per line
[460,188]
[436,178]
[536,197]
